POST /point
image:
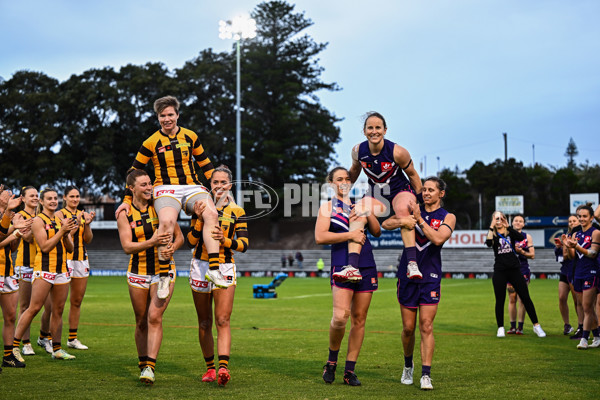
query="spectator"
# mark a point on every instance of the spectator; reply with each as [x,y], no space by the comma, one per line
[291,259]
[320,265]
[300,259]
[283,261]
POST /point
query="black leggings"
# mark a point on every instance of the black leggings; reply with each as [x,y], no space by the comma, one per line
[514,276]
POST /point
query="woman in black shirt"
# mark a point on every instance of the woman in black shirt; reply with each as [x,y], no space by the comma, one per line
[502,238]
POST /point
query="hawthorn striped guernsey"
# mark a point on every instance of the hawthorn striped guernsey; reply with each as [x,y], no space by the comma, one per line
[79,251]
[56,259]
[233,222]
[26,251]
[143,223]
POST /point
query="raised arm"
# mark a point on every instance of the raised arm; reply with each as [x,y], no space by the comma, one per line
[355,168]
[403,159]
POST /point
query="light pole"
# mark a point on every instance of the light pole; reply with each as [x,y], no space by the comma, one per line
[241,27]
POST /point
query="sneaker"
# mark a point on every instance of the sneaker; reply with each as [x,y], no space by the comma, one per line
[412,271]
[347,274]
[500,333]
[224,376]
[216,277]
[76,344]
[539,331]
[351,379]
[210,375]
[62,355]
[519,331]
[329,372]
[577,335]
[17,353]
[28,350]
[163,287]
[583,344]
[512,331]
[407,375]
[12,362]
[147,376]
[46,344]
[595,342]
[568,329]
[426,383]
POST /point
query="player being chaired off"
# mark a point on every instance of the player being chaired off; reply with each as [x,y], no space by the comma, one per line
[173,150]
[383,162]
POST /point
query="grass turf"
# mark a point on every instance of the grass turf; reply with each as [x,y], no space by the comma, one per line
[280,345]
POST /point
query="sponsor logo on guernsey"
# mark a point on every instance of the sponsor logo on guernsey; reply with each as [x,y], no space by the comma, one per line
[385,166]
[436,223]
[179,145]
[227,219]
[184,153]
[48,227]
[138,223]
[151,220]
[433,275]
[132,224]
[168,191]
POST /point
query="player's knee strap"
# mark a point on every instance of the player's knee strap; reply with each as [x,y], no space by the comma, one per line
[190,201]
[166,201]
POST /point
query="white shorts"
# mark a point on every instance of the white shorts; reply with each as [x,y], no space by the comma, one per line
[144,281]
[24,273]
[198,269]
[52,277]
[9,284]
[79,269]
[181,194]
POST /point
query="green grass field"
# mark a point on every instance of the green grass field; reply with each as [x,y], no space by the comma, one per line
[280,345]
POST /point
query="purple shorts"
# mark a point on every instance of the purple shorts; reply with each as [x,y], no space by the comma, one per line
[414,294]
[587,283]
[379,195]
[369,282]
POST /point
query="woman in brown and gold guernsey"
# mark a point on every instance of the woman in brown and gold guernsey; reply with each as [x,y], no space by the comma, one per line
[177,154]
[232,234]
[139,235]
[24,269]
[77,261]
[9,287]
[50,275]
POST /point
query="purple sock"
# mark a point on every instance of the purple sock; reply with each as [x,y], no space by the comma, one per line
[521,325]
[586,335]
[426,370]
[411,253]
[408,361]
[350,366]
[596,332]
[333,356]
[513,324]
[353,259]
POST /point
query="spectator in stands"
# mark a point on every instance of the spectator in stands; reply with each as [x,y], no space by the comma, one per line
[299,258]
[283,260]
[502,238]
[320,265]
[291,259]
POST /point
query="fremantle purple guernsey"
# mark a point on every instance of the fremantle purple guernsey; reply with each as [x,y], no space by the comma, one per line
[524,261]
[584,266]
[340,214]
[429,255]
[385,177]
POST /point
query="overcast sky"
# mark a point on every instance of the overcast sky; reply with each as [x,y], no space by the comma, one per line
[450,76]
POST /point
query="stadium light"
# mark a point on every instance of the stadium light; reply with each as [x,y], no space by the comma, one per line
[241,27]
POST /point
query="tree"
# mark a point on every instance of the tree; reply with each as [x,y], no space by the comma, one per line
[571,153]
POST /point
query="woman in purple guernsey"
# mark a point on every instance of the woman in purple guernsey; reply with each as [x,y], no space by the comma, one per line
[393,184]
[583,247]
[434,228]
[525,252]
[565,283]
[350,299]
